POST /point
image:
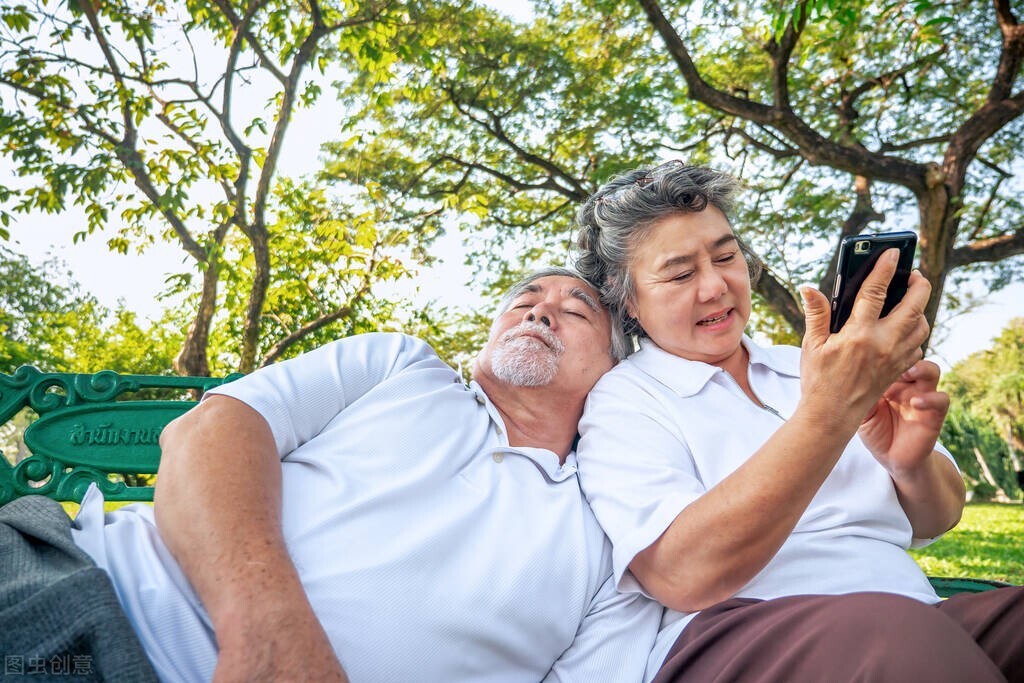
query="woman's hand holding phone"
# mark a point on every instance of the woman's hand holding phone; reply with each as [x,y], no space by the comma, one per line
[857,258]
[844,374]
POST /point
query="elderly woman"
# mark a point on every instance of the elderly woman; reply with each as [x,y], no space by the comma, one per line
[767,496]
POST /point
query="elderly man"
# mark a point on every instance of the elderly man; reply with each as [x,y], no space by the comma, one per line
[361,511]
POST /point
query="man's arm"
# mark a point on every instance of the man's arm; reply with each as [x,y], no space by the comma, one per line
[231,546]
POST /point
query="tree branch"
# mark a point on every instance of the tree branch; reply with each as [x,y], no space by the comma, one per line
[987,206]
[517,185]
[242,30]
[101,39]
[989,250]
[862,213]
[781,300]
[309,328]
[533,223]
[814,147]
[847,110]
[494,126]
[912,144]
[1000,106]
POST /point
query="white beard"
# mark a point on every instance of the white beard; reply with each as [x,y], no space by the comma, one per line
[523,361]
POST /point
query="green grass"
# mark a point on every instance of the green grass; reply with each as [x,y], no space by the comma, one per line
[987,544]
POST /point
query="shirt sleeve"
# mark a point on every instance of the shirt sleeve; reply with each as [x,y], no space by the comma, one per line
[614,640]
[300,396]
[635,468]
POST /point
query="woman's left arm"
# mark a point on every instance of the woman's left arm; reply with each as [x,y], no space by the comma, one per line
[901,432]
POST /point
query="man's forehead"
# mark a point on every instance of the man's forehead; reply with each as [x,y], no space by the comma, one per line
[567,287]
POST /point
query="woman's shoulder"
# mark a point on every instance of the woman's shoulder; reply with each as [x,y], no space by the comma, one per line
[781,358]
[650,374]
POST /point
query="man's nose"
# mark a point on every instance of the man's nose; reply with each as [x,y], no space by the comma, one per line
[538,312]
[543,319]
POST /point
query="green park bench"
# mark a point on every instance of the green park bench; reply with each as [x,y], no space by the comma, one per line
[98,429]
[104,428]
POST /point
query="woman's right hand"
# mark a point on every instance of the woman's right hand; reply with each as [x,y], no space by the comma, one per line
[842,375]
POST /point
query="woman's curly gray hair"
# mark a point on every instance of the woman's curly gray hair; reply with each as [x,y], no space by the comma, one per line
[623,210]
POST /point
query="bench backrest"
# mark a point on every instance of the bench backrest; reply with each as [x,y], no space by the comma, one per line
[101,428]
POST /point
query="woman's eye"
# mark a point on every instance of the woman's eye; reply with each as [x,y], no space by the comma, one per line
[727,258]
[682,277]
[576,313]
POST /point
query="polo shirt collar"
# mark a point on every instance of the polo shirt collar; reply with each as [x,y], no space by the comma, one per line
[545,460]
[688,377]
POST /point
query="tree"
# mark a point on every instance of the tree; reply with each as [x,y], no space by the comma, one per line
[500,127]
[138,108]
[38,311]
[47,322]
[982,456]
[833,119]
[991,383]
[986,421]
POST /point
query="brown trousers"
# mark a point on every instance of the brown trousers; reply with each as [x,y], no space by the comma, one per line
[969,638]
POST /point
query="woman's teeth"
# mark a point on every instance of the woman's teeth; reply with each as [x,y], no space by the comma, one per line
[712,321]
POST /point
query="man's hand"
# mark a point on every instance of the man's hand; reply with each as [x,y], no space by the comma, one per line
[902,428]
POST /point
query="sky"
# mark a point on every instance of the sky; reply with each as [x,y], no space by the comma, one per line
[136,280]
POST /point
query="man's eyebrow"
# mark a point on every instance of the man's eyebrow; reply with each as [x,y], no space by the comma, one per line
[525,289]
[580,294]
[686,258]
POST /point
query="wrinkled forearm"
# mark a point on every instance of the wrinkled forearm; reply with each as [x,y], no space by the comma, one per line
[217,537]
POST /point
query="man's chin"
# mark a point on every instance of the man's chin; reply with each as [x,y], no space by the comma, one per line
[525,375]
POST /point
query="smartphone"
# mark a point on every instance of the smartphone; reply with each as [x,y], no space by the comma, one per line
[857,256]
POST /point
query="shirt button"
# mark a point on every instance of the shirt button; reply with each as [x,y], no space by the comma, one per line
[498,456]
[498,430]
[479,399]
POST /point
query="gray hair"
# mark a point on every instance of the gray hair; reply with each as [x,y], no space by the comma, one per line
[621,213]
[620,346]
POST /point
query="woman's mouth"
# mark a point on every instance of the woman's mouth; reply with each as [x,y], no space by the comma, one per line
[715,319]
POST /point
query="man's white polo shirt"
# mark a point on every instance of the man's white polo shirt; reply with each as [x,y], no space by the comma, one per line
[658,431]
[430,549]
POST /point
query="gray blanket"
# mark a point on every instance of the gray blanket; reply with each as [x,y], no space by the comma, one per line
[60,619]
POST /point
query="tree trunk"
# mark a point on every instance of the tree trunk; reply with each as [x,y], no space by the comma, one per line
[936,235]
[192,360]
[257,297]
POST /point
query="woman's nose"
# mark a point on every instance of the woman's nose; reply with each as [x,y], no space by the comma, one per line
[712,285]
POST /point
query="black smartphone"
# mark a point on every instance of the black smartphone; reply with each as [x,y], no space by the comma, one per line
[857,256]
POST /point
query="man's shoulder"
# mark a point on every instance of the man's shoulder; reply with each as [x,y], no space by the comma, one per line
[362,358]
[383,345]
